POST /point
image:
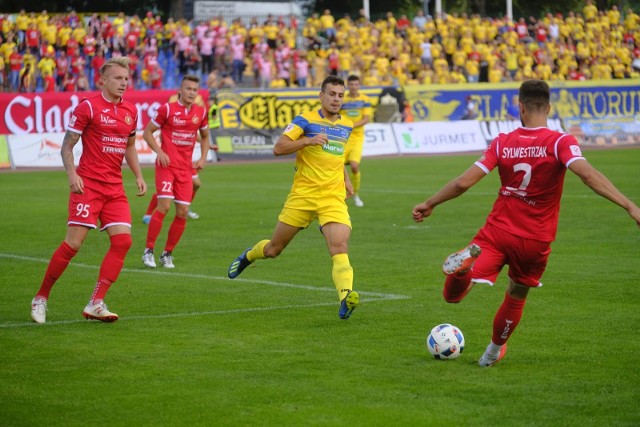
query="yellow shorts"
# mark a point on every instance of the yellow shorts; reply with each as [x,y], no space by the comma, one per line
[301,210]
[353,152]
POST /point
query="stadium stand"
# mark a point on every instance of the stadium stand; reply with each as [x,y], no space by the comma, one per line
[41,52]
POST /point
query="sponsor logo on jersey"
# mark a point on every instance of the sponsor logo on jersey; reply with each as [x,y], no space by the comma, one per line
[178,121]
[106,120]
[332,147]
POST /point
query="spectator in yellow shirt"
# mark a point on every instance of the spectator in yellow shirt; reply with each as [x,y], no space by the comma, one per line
[589,11]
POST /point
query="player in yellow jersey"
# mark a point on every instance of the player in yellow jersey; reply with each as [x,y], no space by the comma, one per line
[357,107]
[320,187]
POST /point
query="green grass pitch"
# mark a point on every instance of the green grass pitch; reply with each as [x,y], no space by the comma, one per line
[194,348]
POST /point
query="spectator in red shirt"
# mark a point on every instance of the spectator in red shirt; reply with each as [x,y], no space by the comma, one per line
[96,64]
[48,82]
[32,37]
[15,65]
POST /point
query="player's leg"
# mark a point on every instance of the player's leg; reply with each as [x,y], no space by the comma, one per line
[337,238]
[479,262]
[115,218]
[336,229]
[176,230]
[183,193]
[527,261]
[120,238]
[354,158]
[196,186]
[57,265]
[281,237]
[505,322]
[295,216]
[153,203]
[458,269]
[165,182]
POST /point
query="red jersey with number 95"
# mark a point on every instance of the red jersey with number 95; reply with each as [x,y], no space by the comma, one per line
[532,163]
[179,128]
[105,128]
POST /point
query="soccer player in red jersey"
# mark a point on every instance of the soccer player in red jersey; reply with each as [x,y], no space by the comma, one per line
[532,162]
[107,124]
[179,123]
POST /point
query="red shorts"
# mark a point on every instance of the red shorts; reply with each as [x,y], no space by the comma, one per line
[106,202]
[174,184]
[527,258]
[194,173]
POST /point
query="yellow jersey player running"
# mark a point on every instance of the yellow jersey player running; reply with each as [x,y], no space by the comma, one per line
[357,107]
[320,187]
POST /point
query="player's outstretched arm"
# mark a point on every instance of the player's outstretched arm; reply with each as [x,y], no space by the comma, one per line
[601,185]
[131,156]
[454,188]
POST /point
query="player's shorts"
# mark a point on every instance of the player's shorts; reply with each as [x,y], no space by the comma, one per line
[174,184]
[301,210]
[527,258]
[105,202]
[353,152]
[194,174]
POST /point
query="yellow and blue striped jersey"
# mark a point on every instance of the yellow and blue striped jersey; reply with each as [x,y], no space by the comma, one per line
[320,169]
[356,108]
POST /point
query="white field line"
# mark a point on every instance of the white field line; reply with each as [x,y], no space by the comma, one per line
[370,296]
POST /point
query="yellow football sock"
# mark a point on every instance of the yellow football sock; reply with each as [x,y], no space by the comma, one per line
[342,275]
[257,252]
[355,181]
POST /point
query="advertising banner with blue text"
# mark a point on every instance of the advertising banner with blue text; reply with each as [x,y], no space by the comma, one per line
[596,112]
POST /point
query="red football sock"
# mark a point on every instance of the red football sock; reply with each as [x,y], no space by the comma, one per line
[59,262]
[456,287]
[153,204]
[155,227]
[507,319]
[175,233]
[111,265]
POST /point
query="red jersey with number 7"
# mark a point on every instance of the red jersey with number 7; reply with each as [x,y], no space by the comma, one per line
[532,163]
[105,128]
[179,128]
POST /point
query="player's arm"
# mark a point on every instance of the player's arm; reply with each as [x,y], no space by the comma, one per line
[204,148]
[454,188]
[601,185]
[347,184]
[363,121]
[285,145]
[131,156]
[76,185]
[147,135]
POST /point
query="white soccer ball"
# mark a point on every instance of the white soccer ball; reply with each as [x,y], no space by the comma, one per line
[445,342]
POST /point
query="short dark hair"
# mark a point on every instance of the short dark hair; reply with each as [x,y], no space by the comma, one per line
[331,80]
[534,94]
[353,78]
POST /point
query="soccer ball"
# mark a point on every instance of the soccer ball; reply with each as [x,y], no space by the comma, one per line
[445,342]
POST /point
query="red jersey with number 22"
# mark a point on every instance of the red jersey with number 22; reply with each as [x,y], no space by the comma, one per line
[105,128]
[532,163]
[179,128]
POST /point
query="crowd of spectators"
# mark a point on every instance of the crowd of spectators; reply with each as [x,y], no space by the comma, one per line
[64,52]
